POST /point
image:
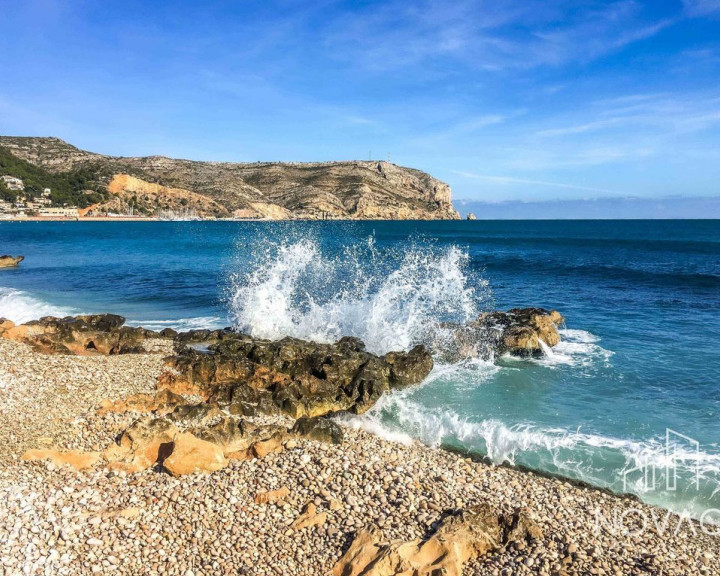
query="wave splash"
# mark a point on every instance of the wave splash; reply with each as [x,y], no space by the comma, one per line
[21,307]
[390,301]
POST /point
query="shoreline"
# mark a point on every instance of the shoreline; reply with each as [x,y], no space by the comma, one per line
[208,524]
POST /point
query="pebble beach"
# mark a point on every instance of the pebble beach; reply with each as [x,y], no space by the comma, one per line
[56,520]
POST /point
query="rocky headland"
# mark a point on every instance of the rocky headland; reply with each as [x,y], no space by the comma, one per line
[356,190]
[128,451]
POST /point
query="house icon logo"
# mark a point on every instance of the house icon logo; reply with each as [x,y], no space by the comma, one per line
[680,451]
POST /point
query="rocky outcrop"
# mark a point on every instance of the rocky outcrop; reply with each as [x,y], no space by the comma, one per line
[81,335]
[469,533]
[268,190]
[520,332]
[291,376]
[7,261]
[126,190]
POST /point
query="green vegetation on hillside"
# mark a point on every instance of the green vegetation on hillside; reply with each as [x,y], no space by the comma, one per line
[71,188]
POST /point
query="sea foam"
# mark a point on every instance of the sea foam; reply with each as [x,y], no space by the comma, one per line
[21,307]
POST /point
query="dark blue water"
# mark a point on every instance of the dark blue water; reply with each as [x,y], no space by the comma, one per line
[639,354]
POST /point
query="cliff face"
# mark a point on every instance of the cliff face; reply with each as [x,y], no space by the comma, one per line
[332,190]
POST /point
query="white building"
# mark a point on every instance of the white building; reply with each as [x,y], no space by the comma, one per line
[13,183]
[59,212]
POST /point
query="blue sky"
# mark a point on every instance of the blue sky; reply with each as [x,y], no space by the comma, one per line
[505,99]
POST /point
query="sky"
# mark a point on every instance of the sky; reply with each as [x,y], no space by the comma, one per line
[506,100]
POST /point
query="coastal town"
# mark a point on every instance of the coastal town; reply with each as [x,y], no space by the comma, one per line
[39,207]
[26,206]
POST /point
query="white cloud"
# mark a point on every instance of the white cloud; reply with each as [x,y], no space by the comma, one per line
[701,7]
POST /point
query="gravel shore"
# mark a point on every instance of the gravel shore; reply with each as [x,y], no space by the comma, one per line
[55,520]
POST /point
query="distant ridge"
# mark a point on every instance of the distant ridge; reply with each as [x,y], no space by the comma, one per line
[270,190]
[604,208]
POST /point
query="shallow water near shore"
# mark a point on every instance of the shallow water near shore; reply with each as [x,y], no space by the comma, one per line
[639,353]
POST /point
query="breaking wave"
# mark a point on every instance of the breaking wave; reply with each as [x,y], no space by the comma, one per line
[391,301]
[21,307]
[617,464]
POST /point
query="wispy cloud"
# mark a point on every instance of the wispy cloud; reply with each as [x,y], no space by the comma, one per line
[702,7]
[529,182]
[508,34]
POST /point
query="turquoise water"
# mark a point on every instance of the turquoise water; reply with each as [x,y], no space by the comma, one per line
[639,352]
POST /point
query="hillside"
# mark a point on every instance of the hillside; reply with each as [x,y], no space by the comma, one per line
[273,190]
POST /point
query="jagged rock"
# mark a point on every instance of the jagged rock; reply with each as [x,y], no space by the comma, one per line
[238,438]
[190,454]
[161,403]
[409,368]
[293,376]
[146,442]
[518,331]
[75,458]
[318,429]
[196,413]
[7,261]
[470,533]
[82,335]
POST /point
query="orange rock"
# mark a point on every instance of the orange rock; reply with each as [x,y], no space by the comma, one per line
[178,384]
[146,442]
[272,495]
[75,458]
[190,454]
[238,455]
[309,517]
[6,325]
[459,538]
[264,447]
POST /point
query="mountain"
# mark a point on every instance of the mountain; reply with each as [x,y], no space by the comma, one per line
[274,190]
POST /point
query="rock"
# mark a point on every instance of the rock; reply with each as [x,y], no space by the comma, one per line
[146,442]
[240,439]
[160,403]
[309,517]
[519,527]
[299,378]
[458,538]
[81,335]
[75,458]
[409,368]
[272,495]
[5,325]
[7,261]
[318,429]
[518,331]
[262,448]
[191,454]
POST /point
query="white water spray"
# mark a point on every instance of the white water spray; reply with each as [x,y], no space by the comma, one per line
[391,302]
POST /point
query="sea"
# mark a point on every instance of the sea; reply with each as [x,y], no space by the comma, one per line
[628,401]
